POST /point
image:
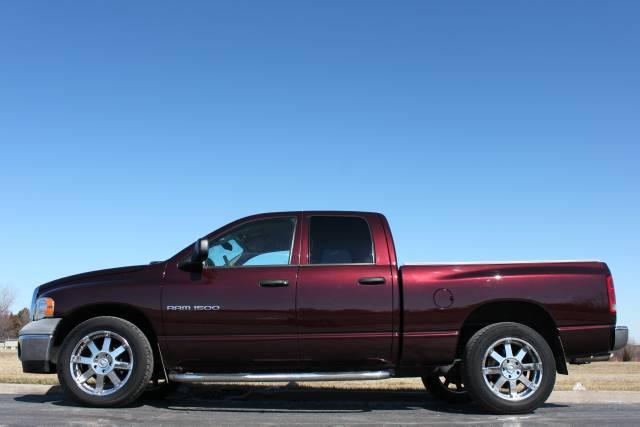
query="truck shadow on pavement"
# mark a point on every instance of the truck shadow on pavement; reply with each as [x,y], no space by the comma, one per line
[283,399]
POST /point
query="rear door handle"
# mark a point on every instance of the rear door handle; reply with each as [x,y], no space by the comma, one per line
[274,283]
[371,280]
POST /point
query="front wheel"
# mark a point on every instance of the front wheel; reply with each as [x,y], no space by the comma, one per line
[105,361]
[509,368]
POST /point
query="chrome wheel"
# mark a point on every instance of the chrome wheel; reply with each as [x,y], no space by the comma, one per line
[101,363]
[512,369]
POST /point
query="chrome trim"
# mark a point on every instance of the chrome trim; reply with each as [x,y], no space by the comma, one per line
[282,377]
[518,373]
[621,337]
[100,371]
[556,261]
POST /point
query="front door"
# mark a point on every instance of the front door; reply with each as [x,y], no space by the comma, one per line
[239,312]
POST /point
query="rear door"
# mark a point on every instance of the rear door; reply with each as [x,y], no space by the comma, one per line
[345,302]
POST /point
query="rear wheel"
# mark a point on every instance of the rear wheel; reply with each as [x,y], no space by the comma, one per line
[105,361]
[447,385]
[509,368]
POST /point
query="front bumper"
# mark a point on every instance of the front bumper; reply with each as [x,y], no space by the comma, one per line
[35,346]
[621,337]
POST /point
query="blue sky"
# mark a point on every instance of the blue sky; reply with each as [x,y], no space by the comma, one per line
[502,130]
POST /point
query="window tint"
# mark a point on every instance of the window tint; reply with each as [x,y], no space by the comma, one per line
[261,242]
[339,240]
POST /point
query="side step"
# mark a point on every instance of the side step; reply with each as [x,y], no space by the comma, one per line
[284,377]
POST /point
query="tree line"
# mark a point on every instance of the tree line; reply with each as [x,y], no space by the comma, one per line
[10,323]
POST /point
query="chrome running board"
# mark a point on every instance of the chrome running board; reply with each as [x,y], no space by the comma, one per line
[284,377]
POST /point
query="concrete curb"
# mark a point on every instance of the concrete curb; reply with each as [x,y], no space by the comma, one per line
[595,397]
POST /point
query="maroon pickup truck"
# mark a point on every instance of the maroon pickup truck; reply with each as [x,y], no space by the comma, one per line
[307,296]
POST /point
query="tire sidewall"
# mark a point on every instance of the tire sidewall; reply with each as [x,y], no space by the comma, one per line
[474,377]
[142,361]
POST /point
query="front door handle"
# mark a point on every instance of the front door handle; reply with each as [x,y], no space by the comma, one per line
[371,280]
[274,283]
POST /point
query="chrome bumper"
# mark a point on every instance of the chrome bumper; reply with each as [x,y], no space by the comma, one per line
[35,346]
[621,337]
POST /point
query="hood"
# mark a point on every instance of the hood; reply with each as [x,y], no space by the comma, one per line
[98,276]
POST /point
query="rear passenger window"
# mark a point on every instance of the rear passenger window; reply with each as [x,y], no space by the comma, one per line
[339,240]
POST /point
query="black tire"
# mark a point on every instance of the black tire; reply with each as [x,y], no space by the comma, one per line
[537,366]
[448,387]
[125,337]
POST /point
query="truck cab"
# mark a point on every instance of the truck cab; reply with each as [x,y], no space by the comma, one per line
[292,290]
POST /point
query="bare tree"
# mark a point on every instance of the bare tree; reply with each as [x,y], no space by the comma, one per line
[6,299]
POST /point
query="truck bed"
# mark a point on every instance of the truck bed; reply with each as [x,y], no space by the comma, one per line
[443,301]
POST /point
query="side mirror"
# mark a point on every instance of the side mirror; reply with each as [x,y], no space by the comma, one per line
[200,251]
[199,255]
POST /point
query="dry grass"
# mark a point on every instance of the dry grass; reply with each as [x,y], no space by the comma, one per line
[596,376]
[11,371]
[602,376]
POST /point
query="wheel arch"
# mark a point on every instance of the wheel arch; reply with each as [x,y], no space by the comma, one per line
[119,310]
[526,312]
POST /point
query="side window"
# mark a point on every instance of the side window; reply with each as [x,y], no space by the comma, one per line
[339,240]
[261,242]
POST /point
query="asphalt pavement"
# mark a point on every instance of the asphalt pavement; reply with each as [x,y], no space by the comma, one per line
[241,405]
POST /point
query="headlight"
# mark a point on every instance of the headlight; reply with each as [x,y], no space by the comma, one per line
[43,308]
